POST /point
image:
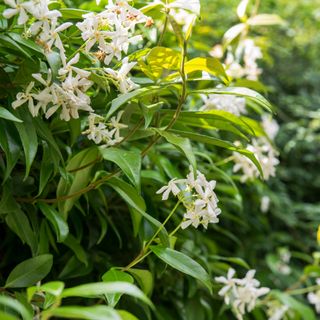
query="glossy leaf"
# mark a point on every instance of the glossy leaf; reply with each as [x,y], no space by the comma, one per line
[5,114]
[93,290]
[29,271]
[79,312]
[183,263]
[114,275]
[182,144]
[59,224]
[128,161]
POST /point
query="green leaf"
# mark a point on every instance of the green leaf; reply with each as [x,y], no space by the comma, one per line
[220,143]
[128,161]
[26,42]
[78,312]
[83,163]
[59,224]
[114,275]
[15,305]
[144,279]
[241,92]
[134,200]
[126,97]
[6,316]
[75,246]
[54,288]
[183,263]
[29,271]
[28,138]
[10,145]
[5,114]
[234,260]
[164,57]
[54,61]
[182,144]
[209,64]
[125,315]
[18,222]
[303,310]
[70,13]
[10,43]
[93,290]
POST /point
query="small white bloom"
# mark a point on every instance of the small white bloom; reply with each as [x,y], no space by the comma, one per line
[17,8]
[241,294]
[125,83]
[270,126]
[225,102]
[314,298]
[265,204]
[170,188]
[27,96]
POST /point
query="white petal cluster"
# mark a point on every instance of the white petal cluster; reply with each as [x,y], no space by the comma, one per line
[276,310]
[314,297]
[121,76]
[266,155]
[69,96]
[270,126]
[107,133]
[198,196]
[44,22]
[112,29]
[241,294]
[225,102]
[243,63]
[184,12]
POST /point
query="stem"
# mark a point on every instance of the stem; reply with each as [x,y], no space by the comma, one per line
[162,225]
[176,229]
[145,251]
[181,102]
[163,30]
[303,290]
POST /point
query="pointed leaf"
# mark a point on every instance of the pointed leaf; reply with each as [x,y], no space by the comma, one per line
[29,272]
[183,263]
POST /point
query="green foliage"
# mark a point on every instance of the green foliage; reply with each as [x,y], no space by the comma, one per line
[85,234]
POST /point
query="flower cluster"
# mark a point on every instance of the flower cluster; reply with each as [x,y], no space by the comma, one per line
[249,53]
[241,294]
[225,102]
[198,196]
[314,297]
[69,95]
[276,310]
[112,29]
[107,133]
[266,155]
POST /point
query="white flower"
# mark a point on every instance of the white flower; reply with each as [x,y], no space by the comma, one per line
[266,155]
[225,102]
[198,198]
[241,294]
[108,133]
[265,204]
[277,312]
[270,126]
[125,83]
[170,188]
[229,285]
[17,7]
[190,5]
[69,67]
[115,123]
[23,97]
[50,35]
[314,298]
